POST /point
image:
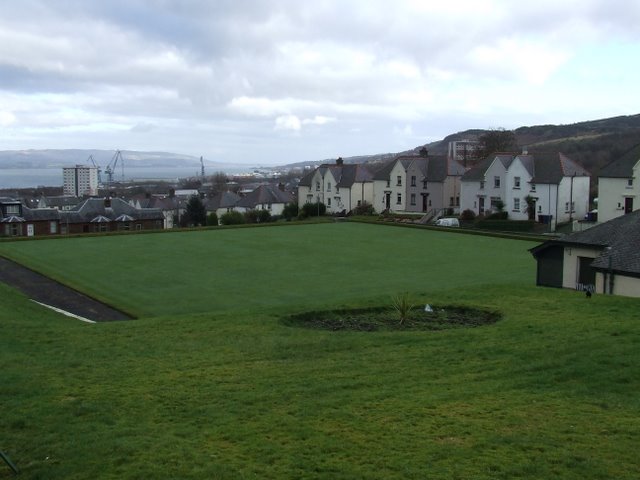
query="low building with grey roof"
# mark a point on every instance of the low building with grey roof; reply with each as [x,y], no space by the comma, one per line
[602,259]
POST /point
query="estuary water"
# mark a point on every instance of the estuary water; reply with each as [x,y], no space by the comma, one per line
[52,177]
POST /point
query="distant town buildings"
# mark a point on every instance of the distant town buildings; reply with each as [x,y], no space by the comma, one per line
[463,151]
[81,180]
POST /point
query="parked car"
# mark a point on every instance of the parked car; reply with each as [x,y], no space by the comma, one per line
[447,222]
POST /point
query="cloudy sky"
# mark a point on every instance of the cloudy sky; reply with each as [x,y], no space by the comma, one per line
[279,81]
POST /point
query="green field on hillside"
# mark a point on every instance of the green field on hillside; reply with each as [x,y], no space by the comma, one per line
[210,383]
[298,267]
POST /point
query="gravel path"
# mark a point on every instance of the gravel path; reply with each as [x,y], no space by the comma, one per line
[49,292]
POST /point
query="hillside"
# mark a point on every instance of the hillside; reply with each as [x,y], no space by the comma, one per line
[592,143]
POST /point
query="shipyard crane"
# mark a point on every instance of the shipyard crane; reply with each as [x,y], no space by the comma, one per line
[97,168]
[111,167]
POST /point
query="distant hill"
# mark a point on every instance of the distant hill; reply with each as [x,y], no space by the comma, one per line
[61,158]
[593,143]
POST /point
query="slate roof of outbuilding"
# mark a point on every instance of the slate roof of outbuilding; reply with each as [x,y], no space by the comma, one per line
[622,234]
[622,167]
[94,207]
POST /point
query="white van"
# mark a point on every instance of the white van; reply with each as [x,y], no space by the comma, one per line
[447,222]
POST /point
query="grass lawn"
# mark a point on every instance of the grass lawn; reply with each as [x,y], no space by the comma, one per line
[218,387]
[297,267]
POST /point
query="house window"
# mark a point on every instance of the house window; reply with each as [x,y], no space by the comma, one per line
[630,183]
[451,201]
[516,204]
[413,198]
[388,182]
[328,202]
[337,189]
[53,227]
[328,186]
[13,210]
[516,182]
[399,184]
[496,182]
[566,207]
[359,202]
[424,184]
[429,202]
[317,186]
[138,226]
[457,201]
[494,202]
[533,187]
[413,180]
[399,199]
[482,185]
[309,199]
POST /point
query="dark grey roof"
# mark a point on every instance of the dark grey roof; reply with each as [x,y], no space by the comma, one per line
[95,207]
[551,168]
[435,168]
[222,200]
[40,214]
[305,181]
[354,173]
[264,194]
[543,167]
[622,167]
[622,234]
[478,172]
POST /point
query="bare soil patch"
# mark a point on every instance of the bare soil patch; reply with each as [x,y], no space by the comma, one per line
[441,317]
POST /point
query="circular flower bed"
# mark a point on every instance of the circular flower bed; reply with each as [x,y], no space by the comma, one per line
[433,317]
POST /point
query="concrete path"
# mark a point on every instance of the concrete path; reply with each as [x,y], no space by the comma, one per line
[51,293]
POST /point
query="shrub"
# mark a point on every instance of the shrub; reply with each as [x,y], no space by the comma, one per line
[506,225]
[290,211]
[232,218]
[363,209]
[403,305]
[312,210]
[212,219]
[468,215]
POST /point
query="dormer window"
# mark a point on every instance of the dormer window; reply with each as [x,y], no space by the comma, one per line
[413,180]
[328,186]
[516,182]
[496,182]
[317,186]
[399,184]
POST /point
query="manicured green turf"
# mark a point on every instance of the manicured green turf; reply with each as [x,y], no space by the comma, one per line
[550,391]
[298,267]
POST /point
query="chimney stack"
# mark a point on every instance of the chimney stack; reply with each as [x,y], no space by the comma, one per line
[339,161]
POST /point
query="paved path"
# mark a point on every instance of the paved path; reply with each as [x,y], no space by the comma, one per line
[49,292]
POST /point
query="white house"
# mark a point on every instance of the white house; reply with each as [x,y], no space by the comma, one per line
[619,187]
[265,197]
[340,187]
[418,184]
[222,203]
[550,188]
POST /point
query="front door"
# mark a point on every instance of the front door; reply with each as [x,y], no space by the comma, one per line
[628,205]
[586,274]
[30,230]
[387,200]
[424,203]
[481,206]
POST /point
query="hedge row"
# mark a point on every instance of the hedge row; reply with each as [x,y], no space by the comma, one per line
[506,225]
